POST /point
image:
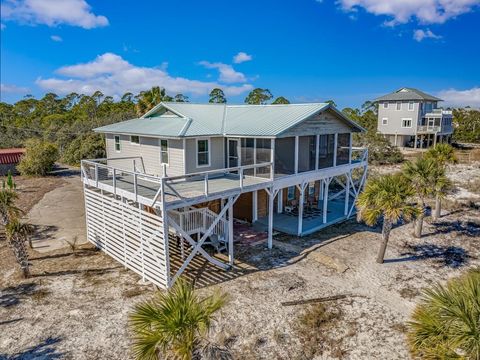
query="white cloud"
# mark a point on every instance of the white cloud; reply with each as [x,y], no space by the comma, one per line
[420,34]
[114,76]
[13,89]
[241,57]
[402,11]
[52,13]
[469,97]
[227,73]
[56,38]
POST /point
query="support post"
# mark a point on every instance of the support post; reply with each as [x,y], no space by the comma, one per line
[396,136]
[335,146]
[325,200]
[254,205]
[415,143]
[350,149]
[296,154]
[270,217]
[300,209]
[434,139]
[347,193]
[206,184]
[230,231]
[114,182]
[272,159]
[280,201]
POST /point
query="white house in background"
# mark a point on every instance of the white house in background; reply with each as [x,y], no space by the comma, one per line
[189,169]
[410,117]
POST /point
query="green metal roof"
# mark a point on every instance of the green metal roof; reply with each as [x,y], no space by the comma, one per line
[405,94]
[193,120]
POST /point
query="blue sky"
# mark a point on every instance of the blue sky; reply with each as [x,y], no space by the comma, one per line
[306,50]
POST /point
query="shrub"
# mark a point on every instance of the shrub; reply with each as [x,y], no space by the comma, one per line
[380,150]
[39,158]
[88,146]
[446,324]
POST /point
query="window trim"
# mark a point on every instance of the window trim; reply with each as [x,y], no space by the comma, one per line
[386,105]
[384,122]
[396,106]
[209,152]
[161,151]
[288,193]
[413,106]
[115,137]
[134,143]
[411,123]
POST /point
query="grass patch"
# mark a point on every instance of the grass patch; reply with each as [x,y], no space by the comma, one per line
[314,329]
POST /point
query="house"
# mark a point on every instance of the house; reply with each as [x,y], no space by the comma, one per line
[174,180]
[410,117]
[9,159]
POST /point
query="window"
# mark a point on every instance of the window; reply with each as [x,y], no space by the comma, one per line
[291,193]
[410,106]
[203,152]
[117,143]
[385,105]
[384,121]
[134,139]
[343,149]
[164,151]
[325,151]
[406,123]
[399,105]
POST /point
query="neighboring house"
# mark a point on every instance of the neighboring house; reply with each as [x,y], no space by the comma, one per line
[410,117]
[9,159]
[189,169]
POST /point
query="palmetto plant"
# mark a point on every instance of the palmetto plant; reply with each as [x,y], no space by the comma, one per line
[387,198]
[8,210]
[17,235]
[446,323]
[173,324]
[420,174]
[442,154]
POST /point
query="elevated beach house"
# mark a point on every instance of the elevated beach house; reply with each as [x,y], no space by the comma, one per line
[175,179]
[410,117]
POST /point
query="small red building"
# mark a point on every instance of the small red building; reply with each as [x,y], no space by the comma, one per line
[9,159]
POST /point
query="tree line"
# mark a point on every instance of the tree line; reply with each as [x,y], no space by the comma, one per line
[67,122]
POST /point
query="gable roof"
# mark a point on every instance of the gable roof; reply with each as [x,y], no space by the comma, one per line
[404,94]
[193,120]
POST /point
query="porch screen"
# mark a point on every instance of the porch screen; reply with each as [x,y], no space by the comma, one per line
[307,153]
[325,151]
[247,154]
[263,155]
[285,156]
[343,149]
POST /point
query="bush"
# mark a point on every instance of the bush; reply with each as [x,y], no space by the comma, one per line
[39,158]
[446,324]
[88,146]
[380,150]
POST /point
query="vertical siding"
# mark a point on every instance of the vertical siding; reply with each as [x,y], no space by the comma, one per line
[217,159]
[149,150]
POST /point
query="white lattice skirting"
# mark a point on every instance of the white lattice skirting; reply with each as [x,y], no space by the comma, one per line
[130,235]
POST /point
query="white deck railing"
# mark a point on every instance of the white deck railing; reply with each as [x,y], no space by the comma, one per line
[99,174]
[198,220]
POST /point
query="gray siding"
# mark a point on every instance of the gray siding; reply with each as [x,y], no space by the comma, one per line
[395,117]
[149,150]
[325,122]
[217,157]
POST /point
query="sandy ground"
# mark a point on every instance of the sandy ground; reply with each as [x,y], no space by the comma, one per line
[76,306]
[59,217]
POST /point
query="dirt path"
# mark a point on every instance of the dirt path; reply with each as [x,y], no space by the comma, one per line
[59,216]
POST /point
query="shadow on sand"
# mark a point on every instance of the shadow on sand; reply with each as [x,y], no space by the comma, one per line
[45,350]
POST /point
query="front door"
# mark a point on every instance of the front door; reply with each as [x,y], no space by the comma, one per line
[233,153]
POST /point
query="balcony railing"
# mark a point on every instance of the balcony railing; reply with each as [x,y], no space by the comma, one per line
[429,129]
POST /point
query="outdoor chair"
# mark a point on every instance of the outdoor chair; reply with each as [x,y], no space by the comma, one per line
[218,243]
